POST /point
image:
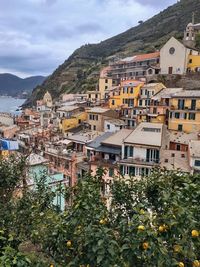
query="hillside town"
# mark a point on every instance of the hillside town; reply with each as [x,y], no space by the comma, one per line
[128,125]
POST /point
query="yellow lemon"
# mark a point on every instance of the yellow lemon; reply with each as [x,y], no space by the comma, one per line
[195,233]
[177,248]
[69,243]
[196,263]
[145,245]
[141,228]
[142,212]
[181,264]
[51,265]
[161,228]
[101,221]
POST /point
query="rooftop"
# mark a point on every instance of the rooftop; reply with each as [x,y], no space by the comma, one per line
[67,108]
[116,121]
[98,110]
[187,93]
[153,85]
[147,134]
[194,147]
[141,57]
[166,93]
[116,139]
[97,141]
[35,159]
[131,83]
[181,137]
[174,160]
[82,137]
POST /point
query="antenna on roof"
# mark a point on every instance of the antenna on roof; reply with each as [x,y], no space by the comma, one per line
[193,17]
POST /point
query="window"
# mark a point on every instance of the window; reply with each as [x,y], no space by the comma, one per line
[172,155]
[106,80]
[131,90]
[177,115]
[172,50]
[152,155]
[178,147]
[192,116]
[181,104]
[125,152]
[193,104]
[113,102]
[96,96]
[94,127]
[89,95]
[108,126]
[130,151]
[90,116]
[106,87]
[140,102]
[190,61]
[197,163]
[166,160]
[182,155]
[185,116]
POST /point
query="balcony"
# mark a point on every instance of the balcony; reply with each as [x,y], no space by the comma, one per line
[140,161]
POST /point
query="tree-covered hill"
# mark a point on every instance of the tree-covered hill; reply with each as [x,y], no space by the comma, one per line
[13,85]
[76,74]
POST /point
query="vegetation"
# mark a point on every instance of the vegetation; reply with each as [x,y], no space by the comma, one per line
[198,41]
[146,37]
[151,222]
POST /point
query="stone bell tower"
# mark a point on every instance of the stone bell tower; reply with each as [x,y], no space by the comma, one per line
[189,34]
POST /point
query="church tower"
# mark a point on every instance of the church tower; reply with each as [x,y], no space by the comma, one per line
[189,34]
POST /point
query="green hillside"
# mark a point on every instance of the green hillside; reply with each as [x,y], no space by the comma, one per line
[77,73]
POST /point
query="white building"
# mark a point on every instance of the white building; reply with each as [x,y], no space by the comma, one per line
[194,155]
[174,57]
[113,125]
[141,149]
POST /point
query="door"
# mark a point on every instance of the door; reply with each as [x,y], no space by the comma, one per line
[170,70]
[180,127]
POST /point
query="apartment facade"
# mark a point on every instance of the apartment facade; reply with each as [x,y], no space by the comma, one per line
[141,150]
[135,67]
[185,111]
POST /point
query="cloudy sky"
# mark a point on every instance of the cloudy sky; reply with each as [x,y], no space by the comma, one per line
[38,35]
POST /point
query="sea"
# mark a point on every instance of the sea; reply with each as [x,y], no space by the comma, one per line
[10,104]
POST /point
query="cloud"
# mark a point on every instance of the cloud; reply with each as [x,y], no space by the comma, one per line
[38,35]
[156,3]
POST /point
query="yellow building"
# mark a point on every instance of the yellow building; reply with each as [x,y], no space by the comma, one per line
[73,122]
[125,95]
[105,84]
[94,96]
[185,111]
[193,63]
[71,117]
[158,111]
